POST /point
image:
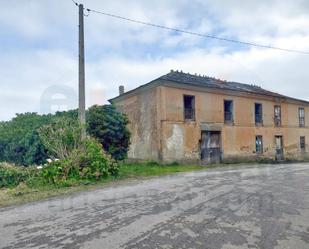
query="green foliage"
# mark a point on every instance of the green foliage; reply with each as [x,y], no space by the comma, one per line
[87,161]
[11,176]
[109,127]
[61,137]
[76,158]
[19,140]
[21,144]
[94,162]
[51,172]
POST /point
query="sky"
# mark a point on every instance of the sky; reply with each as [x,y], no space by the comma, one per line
[39,48]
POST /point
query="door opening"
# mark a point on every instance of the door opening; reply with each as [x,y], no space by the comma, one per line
[211,147]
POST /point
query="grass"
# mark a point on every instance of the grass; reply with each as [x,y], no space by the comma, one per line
[24,193]
[154,169]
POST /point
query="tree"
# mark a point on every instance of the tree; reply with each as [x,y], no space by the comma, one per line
[21,144]
[109,127]
[19,140]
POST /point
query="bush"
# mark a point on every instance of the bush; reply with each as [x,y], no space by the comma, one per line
[95,162]
[51,172]
[12,176]
[88,161]
[78,159]
[61,137]
[109,127]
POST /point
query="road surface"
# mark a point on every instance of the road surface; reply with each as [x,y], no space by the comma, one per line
[264,206]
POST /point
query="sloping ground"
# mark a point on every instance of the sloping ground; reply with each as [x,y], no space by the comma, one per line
[243,207]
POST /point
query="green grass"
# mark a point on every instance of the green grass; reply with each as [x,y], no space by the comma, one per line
[153,169]
[24,193]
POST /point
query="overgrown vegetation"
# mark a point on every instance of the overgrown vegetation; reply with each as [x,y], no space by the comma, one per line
[73,158]
[61,137]
[33,186]
[12,176]
[109,127]
[76,158]
[53,143]
[19,140]
[21,144]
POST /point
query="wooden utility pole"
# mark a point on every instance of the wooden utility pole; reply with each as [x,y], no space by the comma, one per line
[81,72]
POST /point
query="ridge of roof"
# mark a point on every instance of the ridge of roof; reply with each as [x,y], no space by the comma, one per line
[211,82]
[204,80]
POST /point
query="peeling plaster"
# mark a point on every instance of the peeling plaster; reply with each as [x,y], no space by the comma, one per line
[175,143]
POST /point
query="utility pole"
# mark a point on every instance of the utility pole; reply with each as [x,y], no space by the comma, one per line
[81,73]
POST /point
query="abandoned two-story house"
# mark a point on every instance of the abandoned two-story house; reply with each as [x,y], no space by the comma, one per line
[190,118]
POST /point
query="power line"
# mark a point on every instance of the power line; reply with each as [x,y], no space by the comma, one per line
[75,3]
[195,33]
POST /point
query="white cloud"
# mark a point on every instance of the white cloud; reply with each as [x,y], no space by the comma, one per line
[118,52]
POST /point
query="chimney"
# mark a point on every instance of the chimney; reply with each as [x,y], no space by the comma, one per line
[121,90]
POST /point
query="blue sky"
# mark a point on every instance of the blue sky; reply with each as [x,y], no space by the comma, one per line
[38,47]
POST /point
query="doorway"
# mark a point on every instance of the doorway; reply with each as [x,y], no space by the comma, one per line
[279,148]
[211,147]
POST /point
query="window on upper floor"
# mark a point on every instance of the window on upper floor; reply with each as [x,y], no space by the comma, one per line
[189,107]
[277,115]
[302,143]
[259,144]
[258,111]
[228,111]
[301,115]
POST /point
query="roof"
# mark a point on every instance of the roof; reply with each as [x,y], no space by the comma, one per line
[210,82]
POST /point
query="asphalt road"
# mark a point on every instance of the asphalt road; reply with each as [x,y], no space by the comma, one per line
[242,207]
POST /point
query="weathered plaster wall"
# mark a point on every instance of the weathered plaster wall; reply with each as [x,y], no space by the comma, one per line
[159,131]
[238,140]
[141,110]
[180,142]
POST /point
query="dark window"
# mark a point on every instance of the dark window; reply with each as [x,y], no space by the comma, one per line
[189,107]
[301,115]
[259,144]
[228,111]
[258,113]
[277,115]
[302,144]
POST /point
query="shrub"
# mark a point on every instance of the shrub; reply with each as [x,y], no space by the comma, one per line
[109,127]
[78,159]
[88,161]
[95,162]
[61,137]
[52,172]
[11,176]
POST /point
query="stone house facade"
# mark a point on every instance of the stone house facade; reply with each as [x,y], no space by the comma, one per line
[192,118]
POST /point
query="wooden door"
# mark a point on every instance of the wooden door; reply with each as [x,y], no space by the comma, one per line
[211,147]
